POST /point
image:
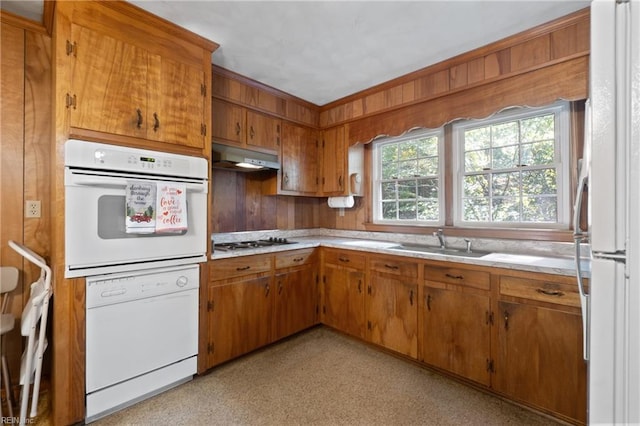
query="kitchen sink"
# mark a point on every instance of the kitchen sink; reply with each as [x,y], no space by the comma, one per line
[438,250]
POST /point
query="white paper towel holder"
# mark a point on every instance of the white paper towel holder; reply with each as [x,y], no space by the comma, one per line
[341,202]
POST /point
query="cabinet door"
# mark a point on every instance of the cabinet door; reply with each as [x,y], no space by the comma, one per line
[540,358]
[263,131]
[392,313]
[343,307]
[456,332]
[176,114]
[299,159]
[109,82]
[334,162]
[296,301]
[239,318]
[228,121]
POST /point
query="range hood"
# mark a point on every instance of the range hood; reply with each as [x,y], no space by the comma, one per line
[242,160]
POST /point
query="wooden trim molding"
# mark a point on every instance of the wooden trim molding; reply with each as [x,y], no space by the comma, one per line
[23,23]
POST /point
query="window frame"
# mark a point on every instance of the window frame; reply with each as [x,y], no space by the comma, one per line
[377,178]
[562,164]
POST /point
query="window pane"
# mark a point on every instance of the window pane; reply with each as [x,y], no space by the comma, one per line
[476,186]
[475,161]
[504,184]
[389,154]
[538,153]
[407,169]
[505,134]
[389,191]
[505,209]
[538,182]
[476,209]
[540,209]
[428,166]
[389,210]
[407,189]
[408,150]
[428,147]
[390,171]
[428,210]
[477,139]
[428,188]
[407,210]
[505,158]
[538,128]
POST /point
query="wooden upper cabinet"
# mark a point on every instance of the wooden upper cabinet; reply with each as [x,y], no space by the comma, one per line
[299,160]
[238,126]
[334,162]
[121,75]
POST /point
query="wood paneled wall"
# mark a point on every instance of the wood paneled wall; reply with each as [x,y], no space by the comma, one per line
[25,134]
[549,44]
[239,204]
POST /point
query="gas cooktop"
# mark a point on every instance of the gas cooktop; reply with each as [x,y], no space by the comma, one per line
[243,245]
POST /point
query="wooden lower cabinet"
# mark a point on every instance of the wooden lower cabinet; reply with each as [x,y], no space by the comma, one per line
[539,349]
[238,313]
[343,291]
[392,305]
[455,314]
[295,293]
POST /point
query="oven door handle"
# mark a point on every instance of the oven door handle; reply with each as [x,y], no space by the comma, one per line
[121,183]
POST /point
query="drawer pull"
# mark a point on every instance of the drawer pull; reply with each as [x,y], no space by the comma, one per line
[359,286]
[394,267]
[298,259]
[343,259]
[546,292]
[455,277]
[428,302]
[243,268]
[267,289]
[280,287]
[411,297]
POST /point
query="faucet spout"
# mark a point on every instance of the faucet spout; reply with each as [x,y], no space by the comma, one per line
[440,235]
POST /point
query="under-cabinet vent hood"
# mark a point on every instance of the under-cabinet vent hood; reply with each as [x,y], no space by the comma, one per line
[242,160]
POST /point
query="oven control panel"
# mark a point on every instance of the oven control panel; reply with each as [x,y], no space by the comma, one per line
[120,288]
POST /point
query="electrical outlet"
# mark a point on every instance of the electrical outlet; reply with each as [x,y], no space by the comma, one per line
[32,208]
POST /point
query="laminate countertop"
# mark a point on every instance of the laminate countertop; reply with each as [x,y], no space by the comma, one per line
[559,265]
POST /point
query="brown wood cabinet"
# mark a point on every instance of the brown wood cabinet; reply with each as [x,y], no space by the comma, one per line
[333,170]
[239,307]
[539,354]
[238,126]
[455,314]
[129,80]
[392,304]
[296,292]
[299,160]
[343,291]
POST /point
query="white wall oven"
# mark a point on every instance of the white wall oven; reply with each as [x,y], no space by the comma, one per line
[104,232]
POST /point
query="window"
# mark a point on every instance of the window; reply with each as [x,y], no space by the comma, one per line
[512,169]
[408,179]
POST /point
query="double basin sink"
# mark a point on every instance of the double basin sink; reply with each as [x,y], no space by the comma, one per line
[438,250]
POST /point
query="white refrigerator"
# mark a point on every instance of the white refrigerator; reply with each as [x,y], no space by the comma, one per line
[611,171]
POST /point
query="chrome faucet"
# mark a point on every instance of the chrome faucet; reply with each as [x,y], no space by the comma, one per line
[440,235]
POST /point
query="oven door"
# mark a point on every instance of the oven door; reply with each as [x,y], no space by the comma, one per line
[96,241]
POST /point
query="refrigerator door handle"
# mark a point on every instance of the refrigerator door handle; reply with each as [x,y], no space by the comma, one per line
[584,298]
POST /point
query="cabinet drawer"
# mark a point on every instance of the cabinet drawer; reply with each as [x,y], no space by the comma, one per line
[548,291]
[294,258]
[345,258]
[391,265]
[467,277]
[238,266]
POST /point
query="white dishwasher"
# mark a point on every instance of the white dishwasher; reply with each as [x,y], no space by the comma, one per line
[141,335]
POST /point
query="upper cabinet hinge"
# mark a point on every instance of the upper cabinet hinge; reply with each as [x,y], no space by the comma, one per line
[210,305]
[72,48]
[71,101]
[203,129]
[203,89]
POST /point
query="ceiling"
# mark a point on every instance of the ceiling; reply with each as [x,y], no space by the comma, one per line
[322,51]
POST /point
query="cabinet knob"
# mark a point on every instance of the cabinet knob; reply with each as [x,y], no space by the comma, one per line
[238,128]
